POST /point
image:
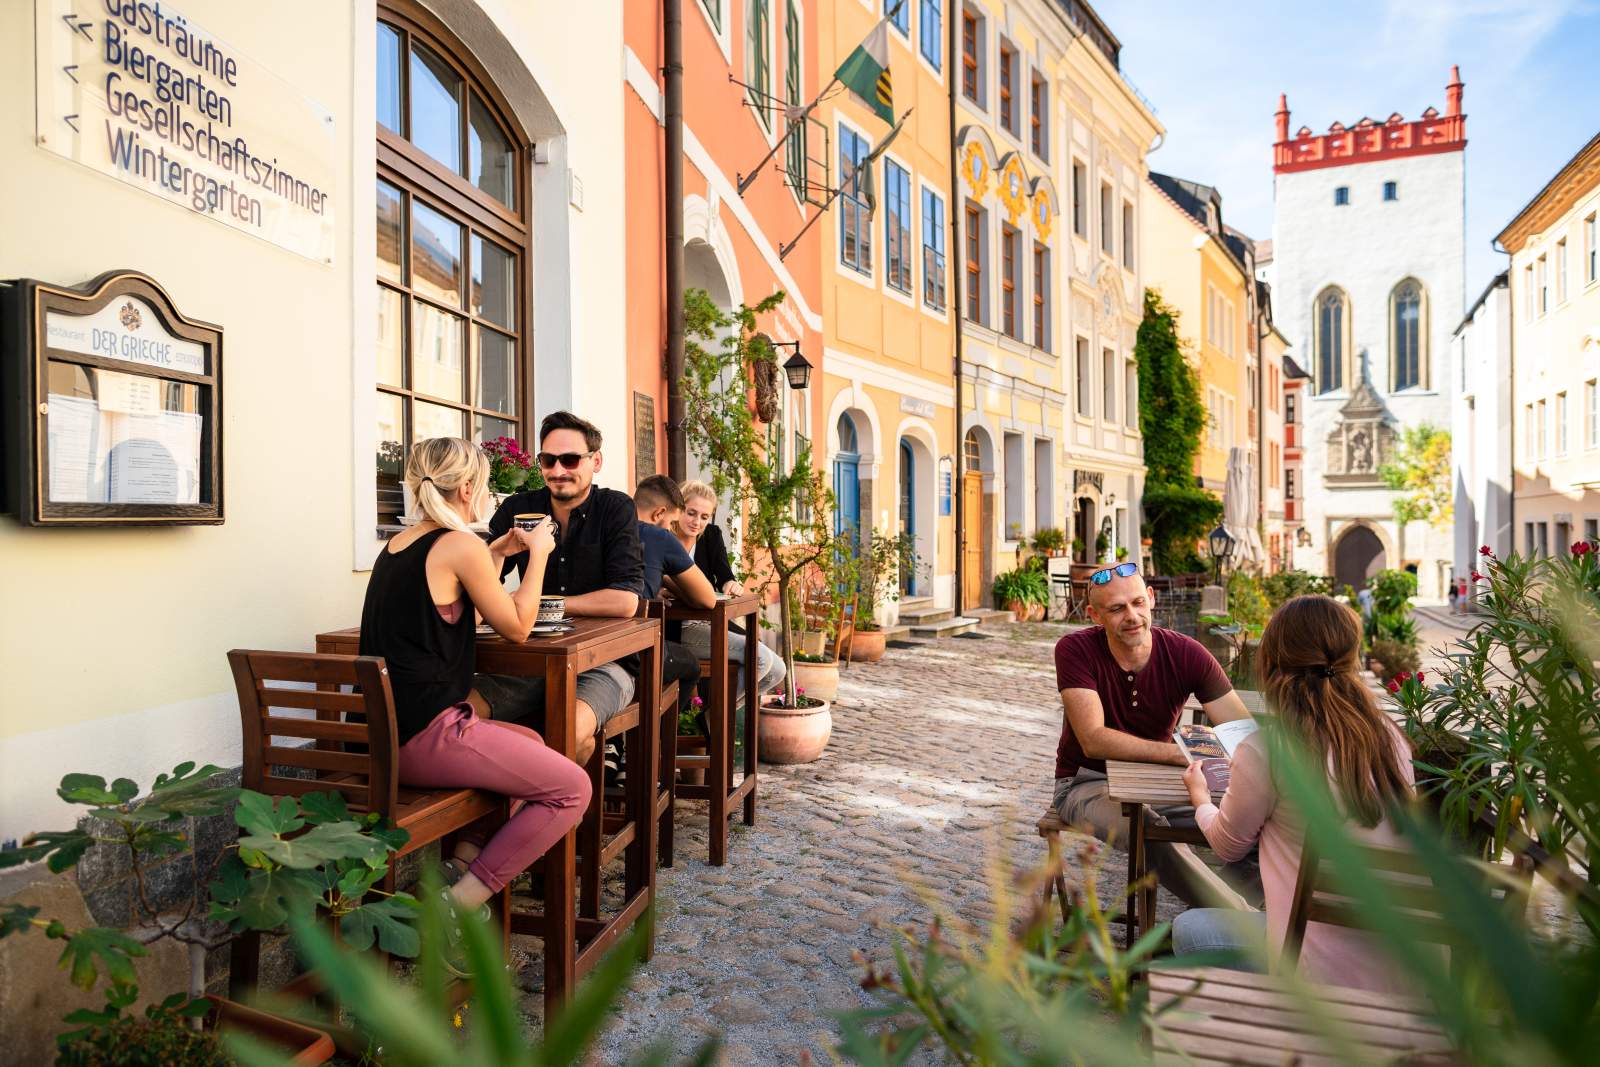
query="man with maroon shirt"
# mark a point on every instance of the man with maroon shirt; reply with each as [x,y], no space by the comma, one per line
[1123,686]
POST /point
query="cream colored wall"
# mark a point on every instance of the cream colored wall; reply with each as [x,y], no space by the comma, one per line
[112,642]
[1227,373]
[1557,351]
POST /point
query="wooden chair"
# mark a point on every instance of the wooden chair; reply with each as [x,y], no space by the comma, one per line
[1050,828]
[844,636]
[354,751]
[1406,883]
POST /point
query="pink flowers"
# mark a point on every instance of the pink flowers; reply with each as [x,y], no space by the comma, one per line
[1484,551]
[1419,678]
[1479,577]
[1393,687]
[510,466]
[696,702]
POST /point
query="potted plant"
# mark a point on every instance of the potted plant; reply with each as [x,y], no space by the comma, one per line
[1122,553]
[1025,592]
[1050,540]
[1102,547]
[786,505]
[511,469]
[304,856]
[881,564]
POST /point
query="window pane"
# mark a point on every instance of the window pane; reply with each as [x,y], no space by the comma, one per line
[493,283]
[436,340]
[435,255]
[391,455]
[391,234]
[431,420]
[435,107]
[487,429]
[389,77]
[391,337]
[495,370]
[489,162]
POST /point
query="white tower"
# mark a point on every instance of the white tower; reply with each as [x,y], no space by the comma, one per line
[1368,237]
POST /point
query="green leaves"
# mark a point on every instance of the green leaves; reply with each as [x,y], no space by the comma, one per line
[91,949]
[264,816]
[16,919]
[390,920]
[327,843]
[62,848]
[91,789]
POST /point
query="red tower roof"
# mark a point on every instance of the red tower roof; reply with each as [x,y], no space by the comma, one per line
[1369,140]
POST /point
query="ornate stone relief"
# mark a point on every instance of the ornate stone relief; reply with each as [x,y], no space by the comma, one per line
[1362,441]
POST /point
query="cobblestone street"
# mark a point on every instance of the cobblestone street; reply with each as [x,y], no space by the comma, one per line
[939,754]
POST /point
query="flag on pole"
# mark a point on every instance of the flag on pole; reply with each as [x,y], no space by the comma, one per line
[866,72]
[861,175]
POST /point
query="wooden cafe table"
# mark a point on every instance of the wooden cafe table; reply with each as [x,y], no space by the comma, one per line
[719,787]
[1138,787]
[573,942]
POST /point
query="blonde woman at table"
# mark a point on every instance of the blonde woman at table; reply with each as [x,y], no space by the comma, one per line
[427,588]
[703,540]
[1310,671]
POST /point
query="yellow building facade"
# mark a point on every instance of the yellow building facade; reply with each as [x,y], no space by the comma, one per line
[888,392]
[1192,264]
[1555,342]
[1050,148]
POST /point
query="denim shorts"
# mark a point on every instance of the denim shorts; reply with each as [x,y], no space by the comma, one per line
[607,689]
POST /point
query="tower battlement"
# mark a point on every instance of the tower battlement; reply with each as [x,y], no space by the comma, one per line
[1370,140]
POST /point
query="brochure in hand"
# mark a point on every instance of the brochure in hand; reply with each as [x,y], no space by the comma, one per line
[1213,747]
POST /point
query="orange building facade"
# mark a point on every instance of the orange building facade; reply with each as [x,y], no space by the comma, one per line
[731,243]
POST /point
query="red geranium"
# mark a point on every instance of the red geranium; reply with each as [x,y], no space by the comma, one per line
[1582,548]
[1394,687]
[1484,551]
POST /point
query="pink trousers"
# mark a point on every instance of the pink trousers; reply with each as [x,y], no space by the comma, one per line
[458,750]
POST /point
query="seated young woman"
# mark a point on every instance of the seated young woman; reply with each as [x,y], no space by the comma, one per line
[428,586]
[1309,666]
[702,537]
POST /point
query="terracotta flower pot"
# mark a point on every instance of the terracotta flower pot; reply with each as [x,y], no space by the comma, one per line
[298,1043]
[867,646]
[820,680]
[1018,609]
[1035,612]
[811,642]
[794,735]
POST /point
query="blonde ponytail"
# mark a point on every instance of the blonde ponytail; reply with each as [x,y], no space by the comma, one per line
[435,469]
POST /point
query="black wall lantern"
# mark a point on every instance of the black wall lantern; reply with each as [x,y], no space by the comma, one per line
[796,368]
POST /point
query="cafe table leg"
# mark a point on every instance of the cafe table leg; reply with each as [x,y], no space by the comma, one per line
[719,747]
[643,756]
[560,934]
[1136,867]
[752,711]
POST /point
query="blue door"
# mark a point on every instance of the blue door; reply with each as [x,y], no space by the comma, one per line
[908,507]
[847,479]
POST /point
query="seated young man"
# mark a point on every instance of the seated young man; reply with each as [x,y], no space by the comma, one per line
[597,565]
[1123,685]
[658,503]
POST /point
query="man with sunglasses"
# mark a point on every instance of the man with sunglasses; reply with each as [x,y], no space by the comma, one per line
[1123,686]
[597,565]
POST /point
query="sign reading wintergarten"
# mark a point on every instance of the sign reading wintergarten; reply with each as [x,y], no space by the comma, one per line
[133,89]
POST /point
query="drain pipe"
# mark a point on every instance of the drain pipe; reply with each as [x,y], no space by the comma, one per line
[957,212]
[672,93]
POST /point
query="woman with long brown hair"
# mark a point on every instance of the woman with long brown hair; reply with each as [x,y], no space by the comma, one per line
[1310,670]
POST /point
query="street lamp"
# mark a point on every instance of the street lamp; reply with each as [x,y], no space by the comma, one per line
[1221,548]
[796,368]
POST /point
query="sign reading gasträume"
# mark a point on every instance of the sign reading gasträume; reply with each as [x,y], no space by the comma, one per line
[133,89]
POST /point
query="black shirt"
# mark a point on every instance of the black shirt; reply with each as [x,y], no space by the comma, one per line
[711,556]
[598,549]
[429,660]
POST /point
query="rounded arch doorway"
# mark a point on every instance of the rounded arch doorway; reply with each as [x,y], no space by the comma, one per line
[1357,556]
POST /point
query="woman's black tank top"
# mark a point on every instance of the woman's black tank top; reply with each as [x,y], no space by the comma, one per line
[430,660]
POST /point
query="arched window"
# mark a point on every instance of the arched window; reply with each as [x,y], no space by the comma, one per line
[972,452]
[1408,336]
[847,434]
[1332,339]
[453,241]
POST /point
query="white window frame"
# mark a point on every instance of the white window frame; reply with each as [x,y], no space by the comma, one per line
[1591,392]
[913,211]
[936,69]
[1560,428]
[721,35]
[1083,377]
[868,278]
[942,313]
[1561,272]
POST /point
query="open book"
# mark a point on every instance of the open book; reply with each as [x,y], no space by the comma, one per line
[1213,747]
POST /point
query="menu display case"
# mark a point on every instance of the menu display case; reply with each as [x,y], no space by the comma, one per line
[112,406]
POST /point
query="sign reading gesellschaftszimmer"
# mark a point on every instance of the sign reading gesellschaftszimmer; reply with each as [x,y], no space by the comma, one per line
[133,89]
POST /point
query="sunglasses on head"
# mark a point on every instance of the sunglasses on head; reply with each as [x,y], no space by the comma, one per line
[1121,570]
[569,460]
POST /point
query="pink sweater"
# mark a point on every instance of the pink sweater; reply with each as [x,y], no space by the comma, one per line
[1252,811]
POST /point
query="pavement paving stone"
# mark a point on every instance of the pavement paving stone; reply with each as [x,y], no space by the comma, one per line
[939,764]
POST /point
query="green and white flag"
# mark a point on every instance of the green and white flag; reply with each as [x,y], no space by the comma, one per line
[866,72]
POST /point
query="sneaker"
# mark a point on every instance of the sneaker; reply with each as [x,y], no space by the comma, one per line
[454,954]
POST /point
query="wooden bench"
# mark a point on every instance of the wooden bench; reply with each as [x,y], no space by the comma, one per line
[354,751]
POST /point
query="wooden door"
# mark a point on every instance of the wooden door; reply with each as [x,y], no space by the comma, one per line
[973,539]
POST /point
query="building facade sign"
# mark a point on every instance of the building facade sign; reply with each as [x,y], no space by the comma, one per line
[134,90]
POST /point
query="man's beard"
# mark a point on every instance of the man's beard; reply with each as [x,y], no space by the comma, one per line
[565,490]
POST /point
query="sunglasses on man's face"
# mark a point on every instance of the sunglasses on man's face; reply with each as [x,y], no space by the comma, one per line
[1121,570]
[569,460]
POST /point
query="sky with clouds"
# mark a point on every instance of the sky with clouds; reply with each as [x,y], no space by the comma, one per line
[1214,72]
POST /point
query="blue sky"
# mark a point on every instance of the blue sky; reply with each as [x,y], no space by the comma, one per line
[1214,72]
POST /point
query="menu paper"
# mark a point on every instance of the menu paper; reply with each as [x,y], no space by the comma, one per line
[101,456]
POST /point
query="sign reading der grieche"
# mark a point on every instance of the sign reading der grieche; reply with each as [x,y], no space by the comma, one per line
[133,89]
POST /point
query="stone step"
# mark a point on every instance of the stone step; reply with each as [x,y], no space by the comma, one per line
[896,633]
[925,616]
[990,616]
[945,627]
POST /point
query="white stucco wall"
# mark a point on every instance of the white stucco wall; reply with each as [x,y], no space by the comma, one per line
[1480,426]
[1366,248]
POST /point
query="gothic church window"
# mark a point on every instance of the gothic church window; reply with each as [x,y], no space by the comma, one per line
[1408,338]
[1331,323]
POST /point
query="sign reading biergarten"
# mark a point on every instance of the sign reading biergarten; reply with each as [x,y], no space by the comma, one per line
[133,89]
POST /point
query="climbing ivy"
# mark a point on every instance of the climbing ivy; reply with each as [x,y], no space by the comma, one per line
[1177,512]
